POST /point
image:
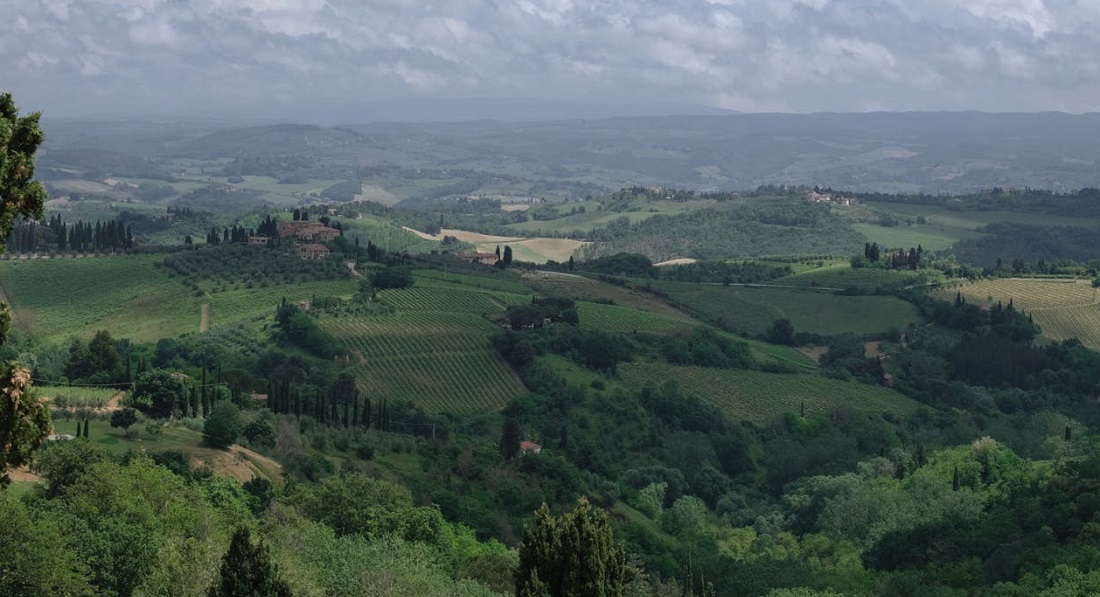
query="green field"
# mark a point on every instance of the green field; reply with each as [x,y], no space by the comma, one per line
[865,279]
[123,294]
[760,397]
[1062,308]
[928,236]
[132,299]
[753,309]
[613,318]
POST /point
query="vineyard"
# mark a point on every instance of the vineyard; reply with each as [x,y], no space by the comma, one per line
[1062,308]
[76,396]
[433,351]
[613,318]
[233,306]
[759,397]
[125,294]
[440,361]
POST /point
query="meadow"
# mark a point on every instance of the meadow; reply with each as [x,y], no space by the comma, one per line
[761,397]
[866,279]
[753,309]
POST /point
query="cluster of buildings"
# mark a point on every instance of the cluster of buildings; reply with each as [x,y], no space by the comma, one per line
[815,197]
[310,233]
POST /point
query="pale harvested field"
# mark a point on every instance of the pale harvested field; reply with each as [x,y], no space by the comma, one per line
[515,206]
[680,261]
[536,250]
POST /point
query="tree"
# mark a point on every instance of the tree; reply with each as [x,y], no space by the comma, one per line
[24,420]
[223,426]
[572,555]
[507,259]
[159,392]
[391,277]
[124,418]
[781,332]
[510,438]
[247,571]
[20,194]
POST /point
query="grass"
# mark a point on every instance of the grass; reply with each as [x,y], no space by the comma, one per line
[760,397]
[176,438]
[753,309]
[930,237]
[865,279]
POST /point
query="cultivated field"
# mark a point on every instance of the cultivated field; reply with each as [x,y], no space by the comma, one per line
[433,351]
[132,299]
[760,397]
[1062,308]
[123,294]
[613,318]
[534,250]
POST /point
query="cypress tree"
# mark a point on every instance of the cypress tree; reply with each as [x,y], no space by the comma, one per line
[574,555]
[247,571]
[86,428]
[956,482]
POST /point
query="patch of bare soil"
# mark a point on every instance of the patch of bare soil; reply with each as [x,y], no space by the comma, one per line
[24,475]
[814,352]
[204,317]
[873,350]
[515,206]
[240,463]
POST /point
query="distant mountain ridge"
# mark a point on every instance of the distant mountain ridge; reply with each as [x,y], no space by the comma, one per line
[910,152]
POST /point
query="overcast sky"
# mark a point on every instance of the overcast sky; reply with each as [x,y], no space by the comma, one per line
[301,58]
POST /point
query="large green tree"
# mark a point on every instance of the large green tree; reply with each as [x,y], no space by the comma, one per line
[159,392]
[24,420]
[223,425]
[575,554]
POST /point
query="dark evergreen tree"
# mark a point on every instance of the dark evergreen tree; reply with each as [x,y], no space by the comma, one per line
[573,555]
[510,438]
[247,571]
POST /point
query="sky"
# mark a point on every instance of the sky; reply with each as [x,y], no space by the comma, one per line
[310,60]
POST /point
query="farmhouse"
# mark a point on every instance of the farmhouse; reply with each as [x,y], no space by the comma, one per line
[257,240]
[313,251]
[526,447]
[482,258]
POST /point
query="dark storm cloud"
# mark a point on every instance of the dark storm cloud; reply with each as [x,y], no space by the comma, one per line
[281,56]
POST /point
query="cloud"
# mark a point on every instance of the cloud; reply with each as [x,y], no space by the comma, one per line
[267,56]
